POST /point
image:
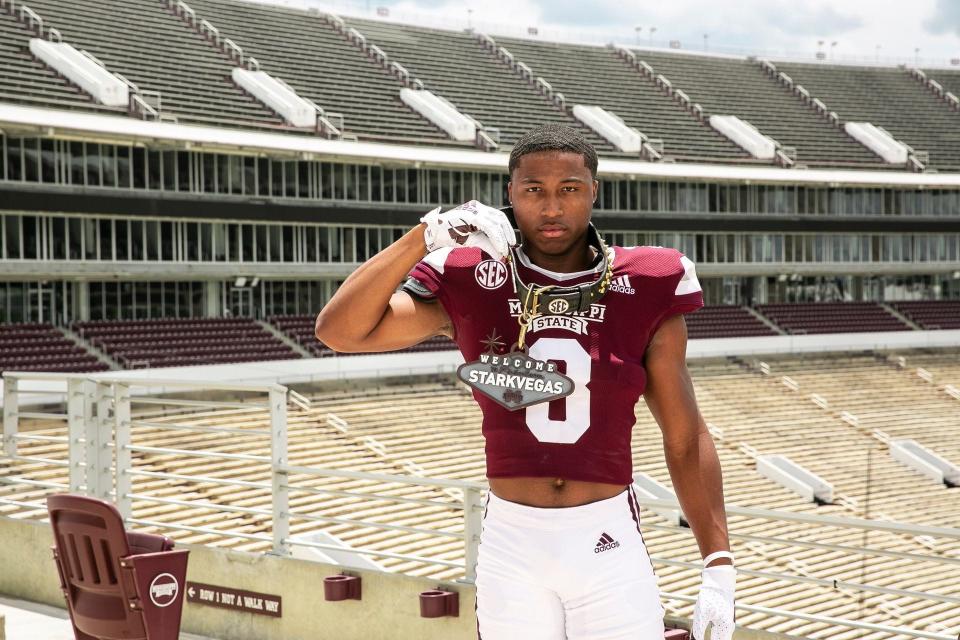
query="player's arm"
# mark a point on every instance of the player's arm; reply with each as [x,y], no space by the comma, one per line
[368,314]
[690,454]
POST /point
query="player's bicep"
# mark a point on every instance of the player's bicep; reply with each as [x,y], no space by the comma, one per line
[669,393]
[408,321]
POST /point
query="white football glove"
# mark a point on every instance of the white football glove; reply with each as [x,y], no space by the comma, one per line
[715,603]
[472,224]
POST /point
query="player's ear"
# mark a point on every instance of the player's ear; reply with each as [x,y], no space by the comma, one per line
[596,188]
[510,191]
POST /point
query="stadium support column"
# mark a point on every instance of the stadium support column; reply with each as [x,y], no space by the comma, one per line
[760,292]
[82,297]
[211,299]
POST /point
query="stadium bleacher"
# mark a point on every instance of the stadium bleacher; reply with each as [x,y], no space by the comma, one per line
[908,407]
[454,65]
[381,428]
[725,321]
[301,329]
[320,64]
[727,85]
[157,50]
[147,45]
[889,98]
[25,79]
[592,75]
[176,342]
[194,341]
[832,317]
[931,314]
[42,347]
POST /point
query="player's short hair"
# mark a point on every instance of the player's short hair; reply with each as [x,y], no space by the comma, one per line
[554,137]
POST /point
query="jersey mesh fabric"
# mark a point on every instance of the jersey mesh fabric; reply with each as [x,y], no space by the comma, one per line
[585,436]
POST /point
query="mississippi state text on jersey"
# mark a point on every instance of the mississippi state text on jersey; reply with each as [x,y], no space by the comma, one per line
[585,436]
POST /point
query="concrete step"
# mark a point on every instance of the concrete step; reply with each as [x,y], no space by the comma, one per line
[92,350]
[293,344]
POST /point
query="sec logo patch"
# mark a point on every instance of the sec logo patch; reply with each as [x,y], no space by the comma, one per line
[490,274]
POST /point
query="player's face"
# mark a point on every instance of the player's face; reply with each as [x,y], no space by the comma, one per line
[552,193]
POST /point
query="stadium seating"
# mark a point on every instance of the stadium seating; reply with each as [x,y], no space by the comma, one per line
[383,429]
[454,65]
[25,79]
[907,407]
[300,329]
[178,342]
[831,317]
[889,98]
[593,75]
[151,48]
[944,364]
[734,86]
[931,314]
[948,79]
[306,53]
[725,321]
[41,347]
[157,51]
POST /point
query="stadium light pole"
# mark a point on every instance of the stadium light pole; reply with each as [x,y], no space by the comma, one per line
[653,30]
[833,46]
[916,56]
[638,30]
[877,54]
[706,41]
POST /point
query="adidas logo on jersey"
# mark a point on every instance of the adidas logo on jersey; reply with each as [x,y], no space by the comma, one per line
[605,543]
[622,285]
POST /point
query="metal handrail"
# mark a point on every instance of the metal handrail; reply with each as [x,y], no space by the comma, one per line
[823,582]
[382,477]
[165,382]
[199,454]
[191,478]
[786,613]
[370,496]
[372,552]
[832,521]
[198,505]
[806,544]
[197,428]
[378,525]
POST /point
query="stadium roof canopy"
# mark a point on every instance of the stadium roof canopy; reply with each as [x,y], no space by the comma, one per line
[119,129]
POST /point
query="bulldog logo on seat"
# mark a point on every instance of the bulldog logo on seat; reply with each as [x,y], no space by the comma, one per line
[164,589]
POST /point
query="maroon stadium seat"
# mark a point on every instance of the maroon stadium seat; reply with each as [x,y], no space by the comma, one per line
[118,585]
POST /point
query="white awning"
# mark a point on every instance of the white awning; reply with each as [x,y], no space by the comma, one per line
[106,128]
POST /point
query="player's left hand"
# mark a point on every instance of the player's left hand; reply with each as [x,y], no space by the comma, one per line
[715,603]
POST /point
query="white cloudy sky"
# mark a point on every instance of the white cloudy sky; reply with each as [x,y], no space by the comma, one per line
[762,26]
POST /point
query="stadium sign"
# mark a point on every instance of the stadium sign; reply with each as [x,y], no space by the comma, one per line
[263,604]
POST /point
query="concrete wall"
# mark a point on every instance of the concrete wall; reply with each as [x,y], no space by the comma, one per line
[389,608]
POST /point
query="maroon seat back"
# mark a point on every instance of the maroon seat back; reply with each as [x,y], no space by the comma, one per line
[118,586]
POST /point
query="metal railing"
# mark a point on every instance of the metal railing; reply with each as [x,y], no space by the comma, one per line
[106,453]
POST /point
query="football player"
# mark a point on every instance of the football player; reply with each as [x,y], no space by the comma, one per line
[561,553]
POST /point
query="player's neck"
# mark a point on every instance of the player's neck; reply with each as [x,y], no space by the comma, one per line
[579,258]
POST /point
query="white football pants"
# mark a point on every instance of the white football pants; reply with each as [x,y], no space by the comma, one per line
[573,573]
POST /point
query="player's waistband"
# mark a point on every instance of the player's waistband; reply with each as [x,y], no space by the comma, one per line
[558,517]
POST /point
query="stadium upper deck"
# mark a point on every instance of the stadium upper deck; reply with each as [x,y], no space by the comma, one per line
[357,68]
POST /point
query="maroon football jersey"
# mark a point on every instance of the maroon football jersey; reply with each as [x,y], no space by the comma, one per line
[586,435]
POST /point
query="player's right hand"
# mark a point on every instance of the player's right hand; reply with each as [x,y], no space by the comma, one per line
[472,224]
